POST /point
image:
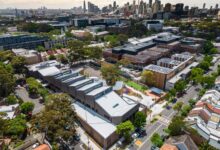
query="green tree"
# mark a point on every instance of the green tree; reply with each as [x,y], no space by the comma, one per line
[40,49]
[7,82]
[27,107]
[148,77]
[139,119]
[15,127]
[185,110]
[122,38]
[156,140]
[110,73]
[207,47]
[208,81]
[196,75]
[204,65]
[11,99]
[18,63]
[125,129]
[58,46]
[176,126]
[33,86]
[178,106]
[76,50]
[62,59]
[192,102]
[180,85]
[52,57]
[58,118]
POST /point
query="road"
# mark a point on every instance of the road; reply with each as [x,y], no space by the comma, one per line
[23,94]
[164,120]
[167,115]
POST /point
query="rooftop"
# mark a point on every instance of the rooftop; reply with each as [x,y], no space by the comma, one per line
[159,69]
[114,105]
[49,71]
[96,121]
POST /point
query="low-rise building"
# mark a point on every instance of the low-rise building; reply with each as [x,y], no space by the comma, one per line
[183,142]
[171,69]
[9,110]
[217,84]
[98,107]
[31,56]
[45,55]
[206,117]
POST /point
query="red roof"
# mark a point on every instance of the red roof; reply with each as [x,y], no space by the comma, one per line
[43,147]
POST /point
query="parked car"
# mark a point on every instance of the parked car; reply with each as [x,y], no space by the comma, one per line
[168,107]
[141,132]
[174,100]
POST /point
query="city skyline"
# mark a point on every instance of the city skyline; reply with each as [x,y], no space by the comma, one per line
[66,4]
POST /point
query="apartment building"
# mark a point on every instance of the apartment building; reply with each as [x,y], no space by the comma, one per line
[8,42]
[168,68]
[205,117]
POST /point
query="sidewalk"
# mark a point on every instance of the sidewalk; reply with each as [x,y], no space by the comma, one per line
[84,137]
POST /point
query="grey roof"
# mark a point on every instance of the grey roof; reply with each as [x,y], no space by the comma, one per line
[69,80]
[81,82]
[169,61]
[99,90]
[134,48]
[90,86]
[156,68]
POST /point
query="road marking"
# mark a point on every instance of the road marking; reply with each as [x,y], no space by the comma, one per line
[150,136]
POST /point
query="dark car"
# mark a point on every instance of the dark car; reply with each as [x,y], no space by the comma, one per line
[141,132]
[168,107]
[174,100]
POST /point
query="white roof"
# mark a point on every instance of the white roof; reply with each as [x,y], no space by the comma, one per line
[9,110]
[114,105]
[101,125]
[184,71]
[42,65]
[49,71]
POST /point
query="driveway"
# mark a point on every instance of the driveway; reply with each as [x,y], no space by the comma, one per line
[23,94]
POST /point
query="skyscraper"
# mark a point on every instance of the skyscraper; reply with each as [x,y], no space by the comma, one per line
[150,3]
[204,5]
[84,6]
[167,7]
[114,5]
[216,6]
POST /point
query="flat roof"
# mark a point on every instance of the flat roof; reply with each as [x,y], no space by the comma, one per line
[72,79]
[169,61]
[49,71]
[101,125]
[114,105]
[84,88]
[81,82]
[184,71]
[159,69]
[96,91]
[42,65]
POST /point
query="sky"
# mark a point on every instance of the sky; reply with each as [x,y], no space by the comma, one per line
[22,4]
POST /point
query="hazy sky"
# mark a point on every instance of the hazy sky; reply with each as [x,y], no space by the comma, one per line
[72,3]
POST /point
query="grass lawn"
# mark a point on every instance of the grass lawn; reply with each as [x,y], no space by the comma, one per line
[136,86]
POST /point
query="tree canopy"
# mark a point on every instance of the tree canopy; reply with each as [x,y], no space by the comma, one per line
[125,129]
[27,107]
[148,77]
[110,73]
[58,118]
[139,119]
[156,140]
[176,126]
